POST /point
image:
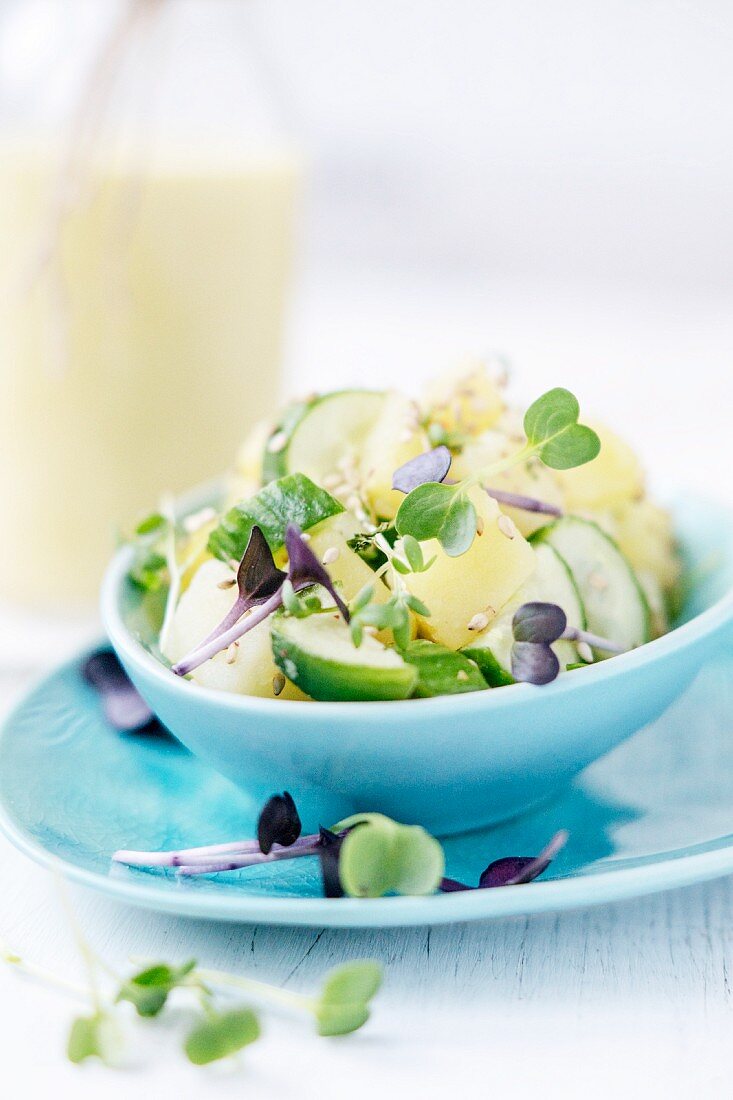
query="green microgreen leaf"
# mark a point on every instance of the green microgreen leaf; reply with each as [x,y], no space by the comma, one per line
[552,430]
[401,567]
[423,511]
[153,524]
[95,1036]
[344,1002]
[381,856]
[362,598]
[148,990]
[417,606]
[459,527]
[413,553]
[221,1034]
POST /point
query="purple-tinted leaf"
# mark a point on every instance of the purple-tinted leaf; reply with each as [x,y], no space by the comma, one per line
[516,870]
[278,823]
[257,576]
[429,466]
[123,706]
[329,850]
[527,504]
[534,663]
[539,622]
[258,579]
[304,568]
[511,870]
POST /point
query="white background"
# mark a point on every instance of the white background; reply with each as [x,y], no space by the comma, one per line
[553,180]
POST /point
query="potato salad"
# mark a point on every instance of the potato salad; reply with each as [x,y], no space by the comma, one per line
[369,546]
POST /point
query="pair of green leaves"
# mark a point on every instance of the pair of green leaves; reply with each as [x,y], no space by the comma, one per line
[446,513]
[392,614]
[380,856]
[343,1006]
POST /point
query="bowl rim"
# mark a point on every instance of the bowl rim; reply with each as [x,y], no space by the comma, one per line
[713,618]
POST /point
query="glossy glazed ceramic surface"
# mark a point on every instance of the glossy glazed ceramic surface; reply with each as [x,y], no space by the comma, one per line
[450,763]
[655,813]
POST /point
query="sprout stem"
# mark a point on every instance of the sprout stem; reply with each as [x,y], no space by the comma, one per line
[572,634]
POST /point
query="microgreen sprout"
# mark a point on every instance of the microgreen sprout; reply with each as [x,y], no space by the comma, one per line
[278,823]
[221,1029]
[433,509]
[393,614]
[304,571]
[123,707]
[536,626]
[366,855]
[512,870]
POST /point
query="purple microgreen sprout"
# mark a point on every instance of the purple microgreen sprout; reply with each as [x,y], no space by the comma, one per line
[430,466]
[278,823]
[123,706]
[536,626]
[526,504]
[258,578]
[304,570]
[512,870]
[436,509]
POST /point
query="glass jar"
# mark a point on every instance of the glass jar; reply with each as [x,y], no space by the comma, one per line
[147,195]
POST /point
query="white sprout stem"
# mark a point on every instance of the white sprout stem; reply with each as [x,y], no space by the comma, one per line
[237,863]
[204,652]
[185,856]
[167,508]
[572,634]
[40,974]
[260,989]
[398,584]
[538,864]
[527,504]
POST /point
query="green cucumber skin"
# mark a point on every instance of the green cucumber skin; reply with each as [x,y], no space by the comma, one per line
[438,668]
[291,499]
[546,534]
[332,682]
[492,672]
[275,463]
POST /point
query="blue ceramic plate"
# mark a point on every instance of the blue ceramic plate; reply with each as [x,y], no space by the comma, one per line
[654,813]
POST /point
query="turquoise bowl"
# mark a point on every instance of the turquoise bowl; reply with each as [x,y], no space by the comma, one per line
[453,763]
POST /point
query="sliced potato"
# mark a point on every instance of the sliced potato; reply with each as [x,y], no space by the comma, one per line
[473,587]
[614,477]
[466,399]
[249,669]
[395,439]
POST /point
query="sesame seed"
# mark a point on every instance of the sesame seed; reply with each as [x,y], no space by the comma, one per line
[585,652]
[228,583]
[305,536]
[278,683]
[232,653]
[330,555]
[277,442]
[371,630]
[479,525]
[462,675]
[479,621]
[598,581]
[507,526]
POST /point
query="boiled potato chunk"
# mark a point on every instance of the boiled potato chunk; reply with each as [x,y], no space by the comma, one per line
[473,587]
[202,606]
[531,478]
[644,535]
[395,439]
[613,478]
[467,399]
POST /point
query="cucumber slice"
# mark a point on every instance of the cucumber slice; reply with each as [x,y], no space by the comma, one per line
[274,456]
[291,499]
[327,432]
[552,582]
[615,604]
[318,656]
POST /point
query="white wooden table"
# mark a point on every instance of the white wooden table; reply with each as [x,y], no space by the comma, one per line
[626,1000]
